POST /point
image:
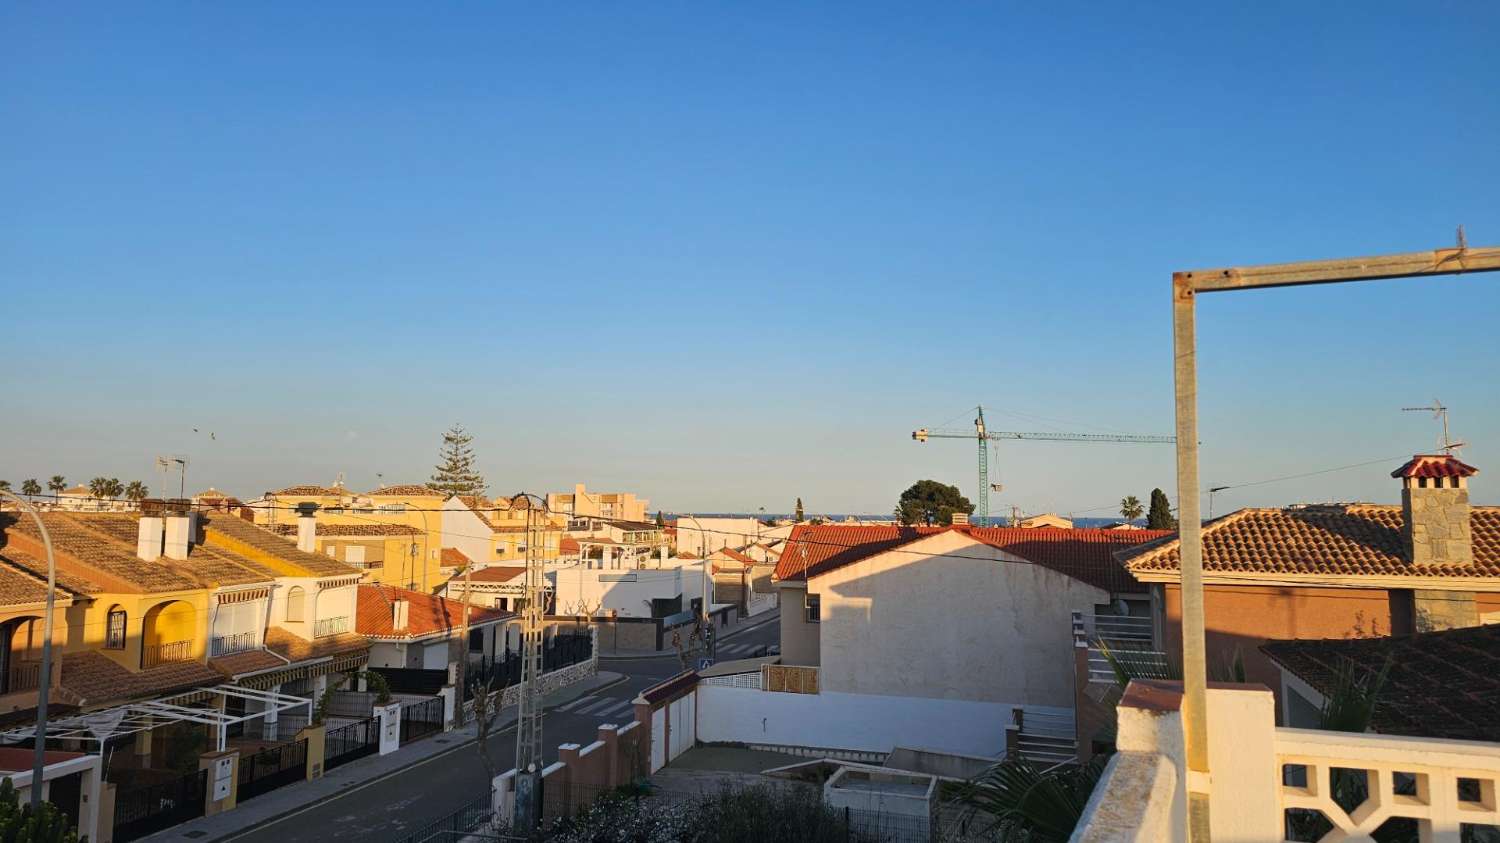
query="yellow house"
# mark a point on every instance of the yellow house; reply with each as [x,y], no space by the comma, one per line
[386,553]
[494,531]
[363,528]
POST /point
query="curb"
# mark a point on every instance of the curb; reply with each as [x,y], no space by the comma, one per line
[271,820]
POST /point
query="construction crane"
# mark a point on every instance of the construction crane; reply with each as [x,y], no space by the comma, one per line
[984,436]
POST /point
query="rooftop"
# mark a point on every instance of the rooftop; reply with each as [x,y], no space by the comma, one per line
[311,490]
[1315,541]
[338,530]
[426,614]
[1441,684]
[406,490]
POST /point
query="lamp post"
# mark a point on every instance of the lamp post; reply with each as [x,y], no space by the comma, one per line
[38,755]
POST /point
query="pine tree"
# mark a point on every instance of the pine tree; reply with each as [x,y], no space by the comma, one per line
[455,469]
[1160,515]
[798,516]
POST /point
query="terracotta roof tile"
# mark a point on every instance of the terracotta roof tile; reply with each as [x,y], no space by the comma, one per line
[426,614]
[95,681]
[406,490]
[498,573]
[827,546]
[250,661]
[1435,465]
[1324,540]
[30,569]
[311,490]
[298,649]
[735,555]
[569,546]
[238,529]
[1441,684]
[80,537]
[341,530]
[452,557]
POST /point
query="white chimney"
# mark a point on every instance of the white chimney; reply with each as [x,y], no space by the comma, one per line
[960,519]
[148,538]
[179,532]
[400,610]
[307,533]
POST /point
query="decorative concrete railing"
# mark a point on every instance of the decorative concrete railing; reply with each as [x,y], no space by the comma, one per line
[1267,783]
[223,645]
[330,626]
[1359,783]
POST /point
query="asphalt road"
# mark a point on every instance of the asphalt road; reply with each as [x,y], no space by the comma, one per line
[393,807]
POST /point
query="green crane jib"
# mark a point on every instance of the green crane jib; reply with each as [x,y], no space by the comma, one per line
[983,436]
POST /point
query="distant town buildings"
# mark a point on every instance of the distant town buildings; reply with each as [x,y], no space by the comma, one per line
[580,502]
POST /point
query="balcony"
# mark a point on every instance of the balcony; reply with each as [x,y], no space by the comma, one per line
[1270,783]
[330,626]
[223,645]
[166,653]
[24,676]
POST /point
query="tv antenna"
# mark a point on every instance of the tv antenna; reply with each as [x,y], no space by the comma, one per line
[165,464]
[1438,412]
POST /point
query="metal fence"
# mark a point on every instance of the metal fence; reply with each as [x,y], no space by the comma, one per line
[271,768]
[562,650]
[351,742]
[145,810]
[420,719]
[474,818]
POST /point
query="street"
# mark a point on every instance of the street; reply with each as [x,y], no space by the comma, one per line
[392,807]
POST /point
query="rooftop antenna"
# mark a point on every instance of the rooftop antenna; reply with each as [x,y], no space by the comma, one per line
[1439,412]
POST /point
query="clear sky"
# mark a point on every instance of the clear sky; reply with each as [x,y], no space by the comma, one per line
[726,255]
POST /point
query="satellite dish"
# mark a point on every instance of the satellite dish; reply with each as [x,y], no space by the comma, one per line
[1121,607]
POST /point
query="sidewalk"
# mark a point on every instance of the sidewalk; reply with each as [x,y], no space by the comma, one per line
[296,797]
[759,621]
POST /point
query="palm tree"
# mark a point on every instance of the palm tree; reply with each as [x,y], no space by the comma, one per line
[57,484]
[113,488]
[1130,507]
[136,491]
[97,487]
[30,488]
[5,485]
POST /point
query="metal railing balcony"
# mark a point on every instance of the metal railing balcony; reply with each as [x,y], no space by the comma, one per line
[24,676]
[239,642]
[165,653]
[330,626]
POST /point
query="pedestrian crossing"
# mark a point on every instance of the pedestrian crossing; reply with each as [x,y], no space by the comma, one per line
[739,650]
[597,706]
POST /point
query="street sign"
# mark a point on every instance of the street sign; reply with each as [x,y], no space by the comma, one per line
[705,664]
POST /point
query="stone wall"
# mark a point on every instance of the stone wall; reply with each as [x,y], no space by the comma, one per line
[558,678]
[1436,526]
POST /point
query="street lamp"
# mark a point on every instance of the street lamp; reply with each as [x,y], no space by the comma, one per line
[38,755]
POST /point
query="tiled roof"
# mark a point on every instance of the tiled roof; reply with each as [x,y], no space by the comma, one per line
[18,563]
[93,542]
[296,648]
[1341,540]
[452,557]
[311,490]
[1435,465]
[214,494]
[337,530]
[568,546]
[736,556]
[94,680]
[425,615]
[1086,555]
[496,573]
[823,547]
[406,490]
[482,507]
[250,661]
[1441,684]
[240,530]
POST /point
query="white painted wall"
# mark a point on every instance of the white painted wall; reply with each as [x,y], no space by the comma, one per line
[627,592]
[658,742]
[717,533]
[683,713]
[851,721]
[463,529]
[953,618]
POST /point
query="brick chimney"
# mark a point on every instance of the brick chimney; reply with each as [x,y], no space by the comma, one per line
[1435,510]
[400,612]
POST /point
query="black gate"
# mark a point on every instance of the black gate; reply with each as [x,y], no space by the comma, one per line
[418,720]
[140,811]
[347,743]
[271,768]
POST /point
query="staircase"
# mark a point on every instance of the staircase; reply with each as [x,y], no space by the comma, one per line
[1045,738]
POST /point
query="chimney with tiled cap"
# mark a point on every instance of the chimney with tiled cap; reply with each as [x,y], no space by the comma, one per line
[1435,510]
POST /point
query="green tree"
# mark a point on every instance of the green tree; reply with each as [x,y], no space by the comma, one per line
[97,487]
[56,485]
[5,484]
[931,502]
[30,488]
[797,516]
[18,823]
[113,488]
[1160,517]
[455,472]
[1130,507]
[136,491]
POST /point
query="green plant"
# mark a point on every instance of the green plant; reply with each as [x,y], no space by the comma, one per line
[19,825]
[1021,802]
[930,502]
[378,686]
[1130,507]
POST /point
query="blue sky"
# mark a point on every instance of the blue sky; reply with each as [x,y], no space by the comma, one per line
[727,255]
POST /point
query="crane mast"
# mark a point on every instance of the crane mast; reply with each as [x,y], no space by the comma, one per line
[983,435]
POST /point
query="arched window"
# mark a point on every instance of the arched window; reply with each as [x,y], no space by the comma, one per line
[114,629]
[294,601]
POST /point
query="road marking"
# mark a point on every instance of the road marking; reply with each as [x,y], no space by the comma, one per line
[615,710]
[607,702]
[575,702]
